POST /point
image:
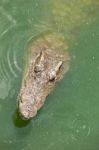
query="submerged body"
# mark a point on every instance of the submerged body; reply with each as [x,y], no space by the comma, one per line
[46,66]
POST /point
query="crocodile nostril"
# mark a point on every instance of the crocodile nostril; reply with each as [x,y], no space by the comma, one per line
[27,111]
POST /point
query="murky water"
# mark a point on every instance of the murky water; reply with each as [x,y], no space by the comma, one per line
[69,119]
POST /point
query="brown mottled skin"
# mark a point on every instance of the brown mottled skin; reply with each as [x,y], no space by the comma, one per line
[44,70]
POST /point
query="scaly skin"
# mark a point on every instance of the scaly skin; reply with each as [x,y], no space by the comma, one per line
[44,70]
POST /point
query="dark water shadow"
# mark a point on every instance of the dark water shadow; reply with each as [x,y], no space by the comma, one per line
[18,122]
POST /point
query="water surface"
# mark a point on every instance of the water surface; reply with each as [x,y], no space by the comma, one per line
[69,118]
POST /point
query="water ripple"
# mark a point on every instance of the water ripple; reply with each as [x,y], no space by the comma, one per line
[42,26]
[4,71]
[80,128]
[14,40]
[12,51]
[8,16]
[16,62]
[1,74]
[10,64]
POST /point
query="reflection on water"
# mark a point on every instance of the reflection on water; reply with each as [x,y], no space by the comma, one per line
[77,21]
[18,122]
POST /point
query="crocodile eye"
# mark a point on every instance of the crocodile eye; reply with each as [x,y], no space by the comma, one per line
[38,68]
[52,76]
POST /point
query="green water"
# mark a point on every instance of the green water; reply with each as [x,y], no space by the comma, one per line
[69,119]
